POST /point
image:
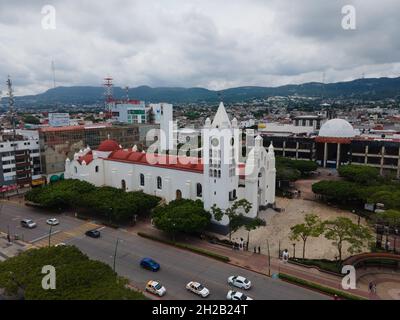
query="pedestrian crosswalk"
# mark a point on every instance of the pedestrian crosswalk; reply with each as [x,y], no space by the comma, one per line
[64,236]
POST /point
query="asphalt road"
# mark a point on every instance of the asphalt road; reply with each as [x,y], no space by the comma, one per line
[178,267]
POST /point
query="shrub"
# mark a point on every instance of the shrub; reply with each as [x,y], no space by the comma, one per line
[319,287]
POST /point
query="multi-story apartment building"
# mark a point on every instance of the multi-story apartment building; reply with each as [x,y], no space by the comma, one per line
[20,159]
[129,111]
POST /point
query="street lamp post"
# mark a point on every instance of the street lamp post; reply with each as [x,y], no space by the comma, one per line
[294,251]
[269,260]
[51,226]
[115,253]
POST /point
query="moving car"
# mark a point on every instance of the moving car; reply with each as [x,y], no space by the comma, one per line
[156,288]
[236,295]
[149,264]
[28,223]
[93,233]
[240,282]
[198,289]
[52,222]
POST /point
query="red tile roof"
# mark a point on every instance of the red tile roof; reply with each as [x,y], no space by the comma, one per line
[163,161]
[87,158]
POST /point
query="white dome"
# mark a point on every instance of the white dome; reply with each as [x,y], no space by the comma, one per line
[338,128]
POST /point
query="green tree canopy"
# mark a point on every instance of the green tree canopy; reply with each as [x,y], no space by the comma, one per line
[389,217]
[181,216]
[364,175]
[111,203]
[77,277]
[342,230]
[311,227]
[31,119]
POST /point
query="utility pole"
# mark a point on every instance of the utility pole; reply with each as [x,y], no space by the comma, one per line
[51,226]
[269,260]
[115,253]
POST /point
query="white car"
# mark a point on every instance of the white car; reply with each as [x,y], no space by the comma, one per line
[52,222]
[240,282]
[198,289]
[156,288]
[61,244]
[28,223]
[236,295]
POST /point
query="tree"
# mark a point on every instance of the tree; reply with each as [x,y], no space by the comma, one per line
[339,191]
[182,215]
[31,119]
[77,277]
[360,174]
[343,230]
[235,219]
[390,217]
[312,227]
[253,224]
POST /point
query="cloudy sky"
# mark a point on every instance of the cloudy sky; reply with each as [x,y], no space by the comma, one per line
[209,43]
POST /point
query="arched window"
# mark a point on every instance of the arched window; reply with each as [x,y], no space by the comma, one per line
[178,194]
[123,185]
[199,190]
[96,169]
[142,179]
[159,183]
[234,193]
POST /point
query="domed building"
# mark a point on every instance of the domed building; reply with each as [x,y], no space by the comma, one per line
[338,128]
[333,143]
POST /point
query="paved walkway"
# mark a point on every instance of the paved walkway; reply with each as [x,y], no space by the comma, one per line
[259,262]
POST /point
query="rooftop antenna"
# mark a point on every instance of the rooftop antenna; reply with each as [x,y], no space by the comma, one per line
[11,104]
[108,92]
[127,93]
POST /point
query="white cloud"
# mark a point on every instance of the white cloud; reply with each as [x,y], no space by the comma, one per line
[214,44]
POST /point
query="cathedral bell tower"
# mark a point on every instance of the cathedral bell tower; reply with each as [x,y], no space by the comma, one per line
[220,155]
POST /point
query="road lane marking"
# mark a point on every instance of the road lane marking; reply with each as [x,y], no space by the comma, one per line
[67,236]
[44,236]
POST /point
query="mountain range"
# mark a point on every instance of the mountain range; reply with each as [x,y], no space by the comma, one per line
[368,89]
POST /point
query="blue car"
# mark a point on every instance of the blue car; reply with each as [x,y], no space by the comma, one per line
[149,264]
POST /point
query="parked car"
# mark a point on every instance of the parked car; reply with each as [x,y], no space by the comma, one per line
[149,264]
[198,289]
[236,295]
[155,287]
[61,244]
[28,223]
[93,233]
[240,282]
[52,222]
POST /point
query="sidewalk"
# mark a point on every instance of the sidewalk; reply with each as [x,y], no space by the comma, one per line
[259,262]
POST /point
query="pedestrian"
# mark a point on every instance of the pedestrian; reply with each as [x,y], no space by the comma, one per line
[259,249]
[254,249]
[335,297]
[374,288]
[370,286]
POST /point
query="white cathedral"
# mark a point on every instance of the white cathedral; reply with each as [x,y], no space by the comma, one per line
[217,178]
